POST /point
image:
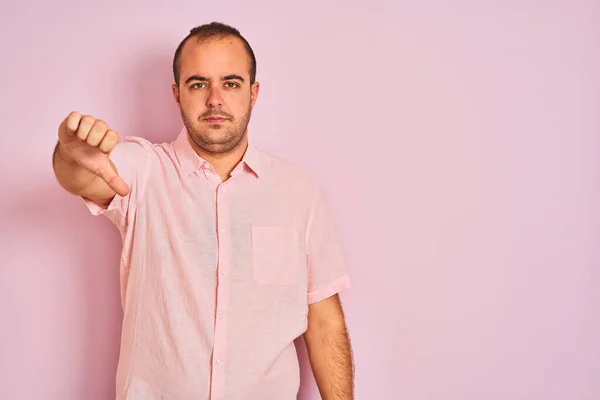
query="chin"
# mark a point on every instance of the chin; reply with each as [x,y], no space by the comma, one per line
[216,142]
[221,148]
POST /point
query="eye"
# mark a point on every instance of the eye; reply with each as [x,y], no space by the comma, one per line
[232,85]
[198,85]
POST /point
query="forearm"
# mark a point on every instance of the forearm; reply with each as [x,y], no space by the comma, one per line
[330,354]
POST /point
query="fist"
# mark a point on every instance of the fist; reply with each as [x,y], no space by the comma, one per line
[88,142]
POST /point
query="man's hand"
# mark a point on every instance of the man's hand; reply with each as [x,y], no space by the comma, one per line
[88,142]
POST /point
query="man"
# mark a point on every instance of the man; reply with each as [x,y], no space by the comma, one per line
[229,253]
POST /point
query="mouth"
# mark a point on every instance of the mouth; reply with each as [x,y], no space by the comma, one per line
[214,120]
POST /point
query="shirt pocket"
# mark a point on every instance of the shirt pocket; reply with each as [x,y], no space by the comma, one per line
[275,255]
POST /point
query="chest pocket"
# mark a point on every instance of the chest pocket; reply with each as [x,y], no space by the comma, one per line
[275,255]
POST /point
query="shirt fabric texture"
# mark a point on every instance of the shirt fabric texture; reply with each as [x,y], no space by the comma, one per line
[216,277]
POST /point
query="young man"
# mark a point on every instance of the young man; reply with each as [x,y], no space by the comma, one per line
[229,253]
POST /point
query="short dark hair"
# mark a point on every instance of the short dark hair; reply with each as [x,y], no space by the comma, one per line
[213,30]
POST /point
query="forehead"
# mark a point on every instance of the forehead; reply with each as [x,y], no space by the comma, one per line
[214,57]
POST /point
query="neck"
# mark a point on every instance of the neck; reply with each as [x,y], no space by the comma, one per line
[223,163]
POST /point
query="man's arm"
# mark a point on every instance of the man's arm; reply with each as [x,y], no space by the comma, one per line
[329,349]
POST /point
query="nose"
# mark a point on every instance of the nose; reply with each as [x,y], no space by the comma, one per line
[214,98]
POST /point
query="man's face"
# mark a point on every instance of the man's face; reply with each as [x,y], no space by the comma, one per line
[214,93]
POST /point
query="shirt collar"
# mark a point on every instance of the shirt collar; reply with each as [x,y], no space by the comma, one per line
[190,161]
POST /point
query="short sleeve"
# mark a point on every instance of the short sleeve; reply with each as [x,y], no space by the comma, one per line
[327,273]
[131,158]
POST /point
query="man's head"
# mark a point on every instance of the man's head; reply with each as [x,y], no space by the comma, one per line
[215,86]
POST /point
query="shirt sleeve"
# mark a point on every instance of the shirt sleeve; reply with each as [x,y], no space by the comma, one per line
[131,158]
[327,273]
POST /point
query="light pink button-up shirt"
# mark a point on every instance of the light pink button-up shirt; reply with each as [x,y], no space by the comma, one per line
[216,277]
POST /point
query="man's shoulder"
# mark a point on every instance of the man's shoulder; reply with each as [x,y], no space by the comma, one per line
[290,171]
[144,143]
[140,146]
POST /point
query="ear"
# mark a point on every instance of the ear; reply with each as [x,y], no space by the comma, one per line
[176,94]
[254,89]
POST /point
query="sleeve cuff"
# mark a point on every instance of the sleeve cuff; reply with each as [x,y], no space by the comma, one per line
[332,288]
[95,209]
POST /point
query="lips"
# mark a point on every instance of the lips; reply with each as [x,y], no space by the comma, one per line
[215,119]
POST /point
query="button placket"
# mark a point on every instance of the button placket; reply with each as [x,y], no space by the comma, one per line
[223,287]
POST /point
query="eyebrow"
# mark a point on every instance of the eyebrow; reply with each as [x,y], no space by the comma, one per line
[204,79]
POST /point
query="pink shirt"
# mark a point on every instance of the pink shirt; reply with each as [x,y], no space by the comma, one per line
[216,278]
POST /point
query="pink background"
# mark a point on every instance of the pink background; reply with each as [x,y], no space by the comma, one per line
[456,140]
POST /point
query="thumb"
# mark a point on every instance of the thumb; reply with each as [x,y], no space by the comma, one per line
[109,175]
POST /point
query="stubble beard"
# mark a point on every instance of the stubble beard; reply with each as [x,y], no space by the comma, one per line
[229,138]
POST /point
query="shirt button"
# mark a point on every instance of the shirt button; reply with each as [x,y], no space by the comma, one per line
[220,315]
[222,229]
[223,273]
[219,361]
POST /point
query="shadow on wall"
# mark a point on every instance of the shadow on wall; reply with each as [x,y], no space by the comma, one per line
[155,115]
[66,263]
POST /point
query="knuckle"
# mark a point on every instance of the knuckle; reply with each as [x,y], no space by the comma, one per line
[101,124]
[88,120]
[73,117]
[100,127]
[73,120]
[112,135]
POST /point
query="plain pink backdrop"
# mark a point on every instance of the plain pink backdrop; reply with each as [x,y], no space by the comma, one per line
[458,142]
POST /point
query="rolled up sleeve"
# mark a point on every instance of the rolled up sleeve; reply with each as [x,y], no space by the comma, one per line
[327,271]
